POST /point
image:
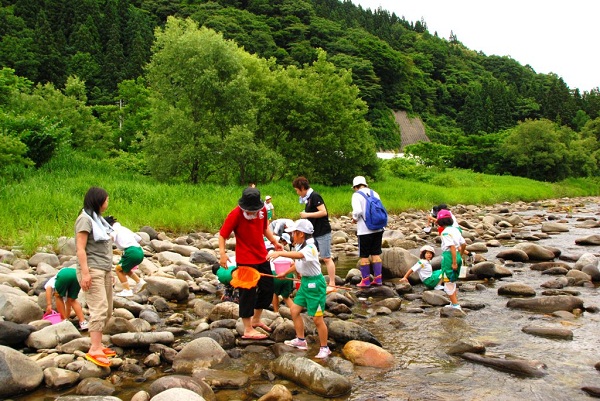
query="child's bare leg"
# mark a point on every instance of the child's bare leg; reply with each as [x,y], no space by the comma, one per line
[288,301]
[60,306]
[275,303]
[77,308]
[297,319]
[321,330]
[134,276]
[122,277]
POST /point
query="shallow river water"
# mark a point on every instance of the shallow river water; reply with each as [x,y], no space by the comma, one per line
[419,341]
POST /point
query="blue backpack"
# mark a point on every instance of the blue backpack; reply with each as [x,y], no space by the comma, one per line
[376,216]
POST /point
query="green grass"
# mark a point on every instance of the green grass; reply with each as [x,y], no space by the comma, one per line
[37,210]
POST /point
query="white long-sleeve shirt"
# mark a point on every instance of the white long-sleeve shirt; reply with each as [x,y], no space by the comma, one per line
[124,237]
[359,204]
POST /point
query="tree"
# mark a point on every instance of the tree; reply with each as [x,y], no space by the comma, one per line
[316,120]
[200,92]
[534,149]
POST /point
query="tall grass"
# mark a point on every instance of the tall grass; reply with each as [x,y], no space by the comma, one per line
[36,211]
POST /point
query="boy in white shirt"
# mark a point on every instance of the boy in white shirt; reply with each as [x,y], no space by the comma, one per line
[133,255]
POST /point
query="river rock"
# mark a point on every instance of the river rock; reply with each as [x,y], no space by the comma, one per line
[7,257]
[311,375]
[589,240]
[57,378]
[586,259]
[151,316]
[14,333]
[168,288]
[535,251]
[184,250]
[344,331]
[554,227]
[224,337]
[49,258]
[520,367]
[222,379]
[514,254]
[116,325]
[18,374]
[200,353]
[277,393]
[478,247]
[489,270]
[51,336]
[466,345]
[556,271]
[550,332]
[435,298]
[516,289]
[367,354]
[593,270]
[223,310]
[14,280]
[95,386]
[203,257]
[397,261]
[179,394]
[184,382]
[592,391]
[546,304]
[135,340]
[578,276]
[542,266]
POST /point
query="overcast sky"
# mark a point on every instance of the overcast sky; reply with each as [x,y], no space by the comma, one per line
[562,37]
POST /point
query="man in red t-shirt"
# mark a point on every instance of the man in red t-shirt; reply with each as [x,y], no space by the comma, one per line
[248,221]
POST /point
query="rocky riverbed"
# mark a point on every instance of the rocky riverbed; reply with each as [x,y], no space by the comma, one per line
[528,329]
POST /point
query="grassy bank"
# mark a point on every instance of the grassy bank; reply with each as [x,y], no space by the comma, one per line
[43,207]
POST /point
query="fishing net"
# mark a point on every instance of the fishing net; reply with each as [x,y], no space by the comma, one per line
[244,277]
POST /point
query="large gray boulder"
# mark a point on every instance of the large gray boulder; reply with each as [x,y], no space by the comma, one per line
[14,333]
[535,251]
[165,383]
[397,261]
[343,331]
[311,375]
[168,288]
[18,374]
[49,258]
[547,304]
[137,340]
[19,308]
[200,353]
[51,336]
[520,367]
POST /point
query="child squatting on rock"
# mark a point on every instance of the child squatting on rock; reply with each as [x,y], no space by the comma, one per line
[313,287]
[430,278]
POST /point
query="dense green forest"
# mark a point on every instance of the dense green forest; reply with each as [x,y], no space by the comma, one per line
[256,90]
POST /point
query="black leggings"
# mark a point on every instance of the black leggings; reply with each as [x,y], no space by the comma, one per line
[259,297]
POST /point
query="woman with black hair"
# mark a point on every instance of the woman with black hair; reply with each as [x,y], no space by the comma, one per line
[94,254]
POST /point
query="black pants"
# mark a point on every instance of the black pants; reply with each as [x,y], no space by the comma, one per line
[259,297]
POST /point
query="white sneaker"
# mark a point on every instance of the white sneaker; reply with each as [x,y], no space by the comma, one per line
[296,343]
[438,287]
[124,293]
[140,286]
[457,306]
[323,353]
[83,325]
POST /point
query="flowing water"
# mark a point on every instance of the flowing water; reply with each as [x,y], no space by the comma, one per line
[419,341]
